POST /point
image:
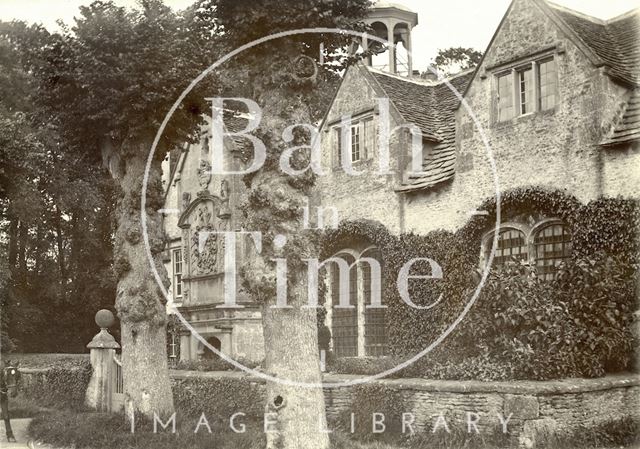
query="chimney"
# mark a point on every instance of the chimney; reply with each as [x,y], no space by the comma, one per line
[430,76]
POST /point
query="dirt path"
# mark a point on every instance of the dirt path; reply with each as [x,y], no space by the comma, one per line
[19,427]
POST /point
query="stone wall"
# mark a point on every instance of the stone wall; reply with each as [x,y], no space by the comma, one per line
[557,148]
[369,195]
[534,407]
[531,410]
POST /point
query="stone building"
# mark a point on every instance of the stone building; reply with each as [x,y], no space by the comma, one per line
[555,102]
[198,202]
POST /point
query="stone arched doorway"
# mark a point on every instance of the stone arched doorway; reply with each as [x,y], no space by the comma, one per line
[208,354]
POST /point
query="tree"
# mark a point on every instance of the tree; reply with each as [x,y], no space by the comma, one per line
[55,207]
[453,60]
[286,79]
[106,84]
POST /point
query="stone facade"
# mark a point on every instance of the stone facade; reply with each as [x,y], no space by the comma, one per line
[557,148]
[197,205]
[469,154]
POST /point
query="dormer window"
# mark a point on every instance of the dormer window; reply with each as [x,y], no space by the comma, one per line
[526,101]
[526,89]
[355,143]
[547,84]
[359,140]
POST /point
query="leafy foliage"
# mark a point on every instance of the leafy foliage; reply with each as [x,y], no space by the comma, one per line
[90,430]
[450,61]
[521,327]
[59,387]
[57,207]
[114,74]
[193,396]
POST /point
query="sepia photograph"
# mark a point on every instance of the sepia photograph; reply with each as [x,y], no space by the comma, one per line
[320,224]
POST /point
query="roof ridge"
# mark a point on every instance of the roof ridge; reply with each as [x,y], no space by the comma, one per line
[593,19]
[624,15]
[419,82]
[423,82]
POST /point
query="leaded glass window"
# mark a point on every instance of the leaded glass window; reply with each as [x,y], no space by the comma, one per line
[511,247]
[553,245]
[547,84]
[506,110]
[344,323]
[375,319]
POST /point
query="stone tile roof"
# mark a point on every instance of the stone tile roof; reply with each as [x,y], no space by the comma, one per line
[627,126]
[413,100]
[615,41]
[432,107]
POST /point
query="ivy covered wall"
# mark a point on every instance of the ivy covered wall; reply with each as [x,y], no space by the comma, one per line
[520,326]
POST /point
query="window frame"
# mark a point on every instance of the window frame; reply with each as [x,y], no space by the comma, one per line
[365,142]
[177,275]
[369,324]
[530,232]
[515,72]
[355,142]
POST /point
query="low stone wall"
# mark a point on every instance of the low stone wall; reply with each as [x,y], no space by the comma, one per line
[531,409]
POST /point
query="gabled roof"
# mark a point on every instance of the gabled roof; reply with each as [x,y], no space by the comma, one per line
[614,41]
[413,99]
[430,106]
[627,126]
[439,164]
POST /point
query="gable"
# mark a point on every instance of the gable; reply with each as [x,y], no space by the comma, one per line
[615,41]
[525,30]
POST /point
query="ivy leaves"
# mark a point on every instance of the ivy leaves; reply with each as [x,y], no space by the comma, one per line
[521,327]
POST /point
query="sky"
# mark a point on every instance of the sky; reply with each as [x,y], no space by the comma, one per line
[442,24]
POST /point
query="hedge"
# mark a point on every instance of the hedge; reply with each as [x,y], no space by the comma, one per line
[218,398]
[520,327]
[58,387]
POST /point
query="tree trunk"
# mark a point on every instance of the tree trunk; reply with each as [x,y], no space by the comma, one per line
[13,240]
[290,334]
[291,349]
[22,248]
[60,248]
[139,302]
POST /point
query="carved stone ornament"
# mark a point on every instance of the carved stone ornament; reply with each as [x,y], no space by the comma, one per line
[204,174]
[225,211]
[204,256]
[186,200]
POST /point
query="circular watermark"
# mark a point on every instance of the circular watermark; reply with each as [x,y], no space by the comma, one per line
[226,357]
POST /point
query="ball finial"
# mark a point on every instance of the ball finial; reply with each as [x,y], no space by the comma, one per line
[105,319]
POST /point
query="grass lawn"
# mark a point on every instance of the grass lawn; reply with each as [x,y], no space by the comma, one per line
[90,430]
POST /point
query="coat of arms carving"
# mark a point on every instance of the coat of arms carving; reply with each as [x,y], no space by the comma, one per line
[204,242]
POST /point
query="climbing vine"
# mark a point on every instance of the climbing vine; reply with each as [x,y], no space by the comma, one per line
[521,326]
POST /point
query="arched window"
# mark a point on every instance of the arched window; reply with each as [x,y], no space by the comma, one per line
[552,246]
[344,322]
[511,245]
[375,319]
[359,330]
[542,245]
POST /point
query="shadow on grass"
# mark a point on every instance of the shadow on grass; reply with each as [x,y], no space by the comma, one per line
[91,430]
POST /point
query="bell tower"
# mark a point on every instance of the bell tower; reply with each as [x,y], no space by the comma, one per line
[393,23]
